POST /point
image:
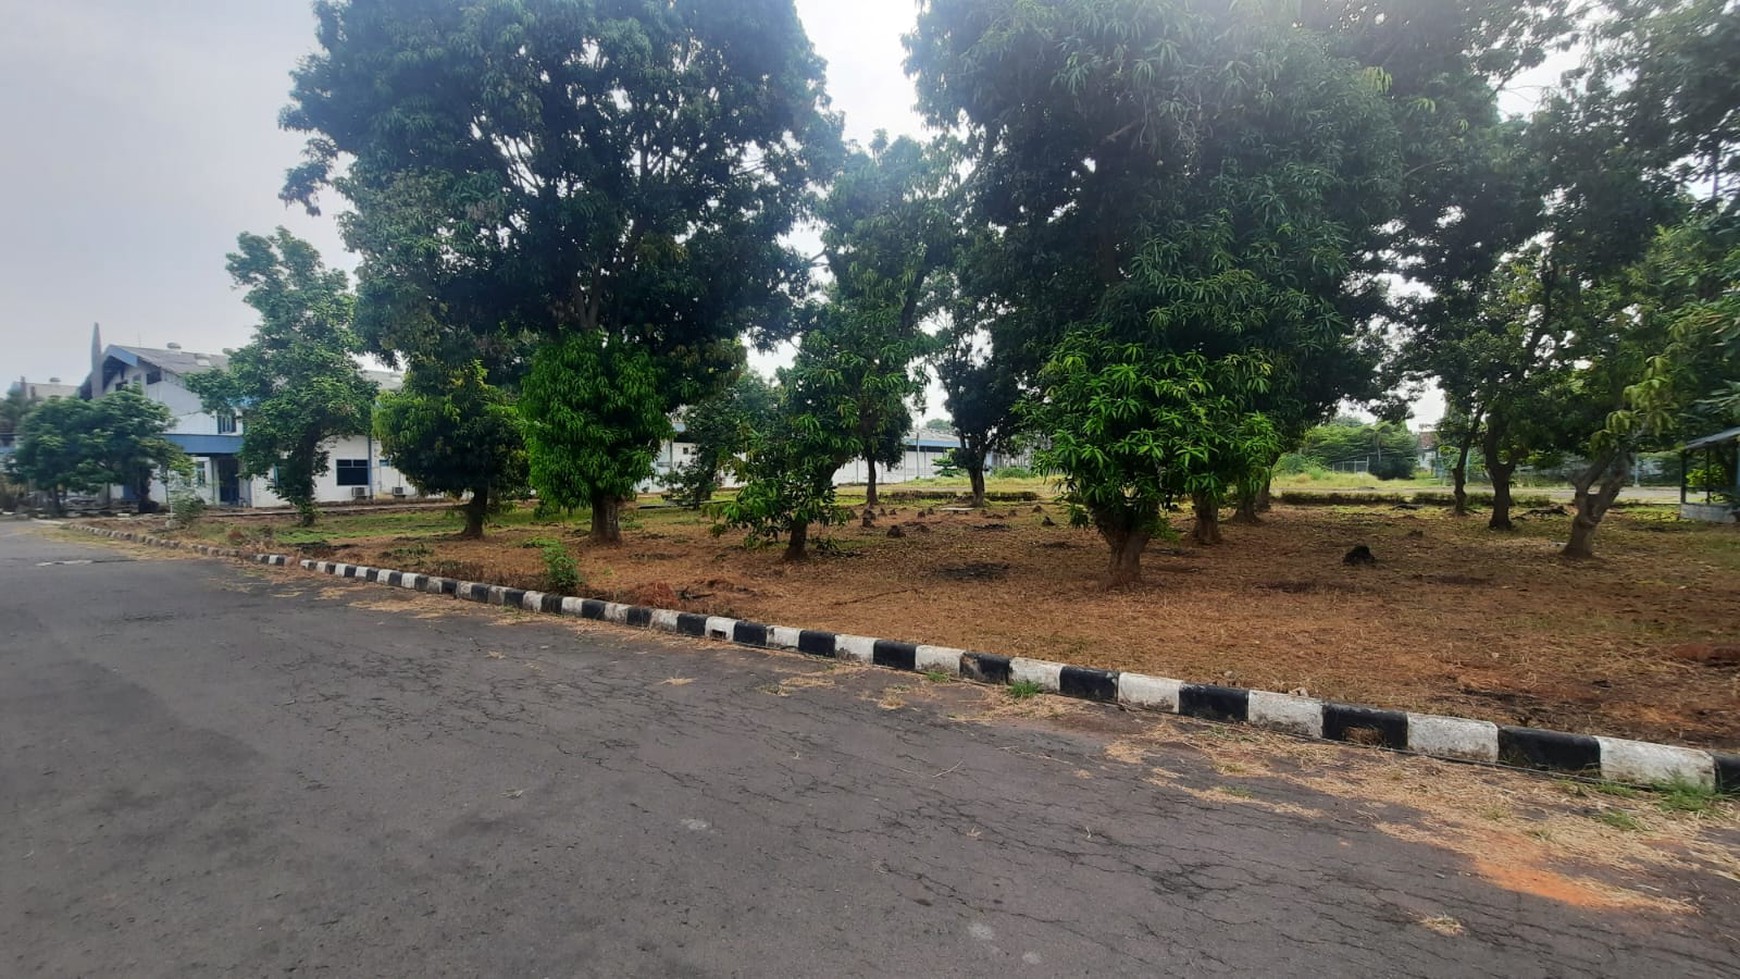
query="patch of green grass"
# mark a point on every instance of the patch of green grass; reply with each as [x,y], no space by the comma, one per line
[1024,689]
[1619,819]
[1688,797]
[1237,791]
[938,676]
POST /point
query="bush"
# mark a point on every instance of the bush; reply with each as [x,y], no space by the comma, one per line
[185,509]
[947,467]
[1012,472]
[561,574]
[1298,464]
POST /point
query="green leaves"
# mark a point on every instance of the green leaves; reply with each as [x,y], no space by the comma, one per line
[1133,429]
[297,385]
[594,414]
[520,171]
[451,432]
[68,444]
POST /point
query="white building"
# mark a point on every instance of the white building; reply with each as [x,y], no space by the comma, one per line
[922,456]
[356,469]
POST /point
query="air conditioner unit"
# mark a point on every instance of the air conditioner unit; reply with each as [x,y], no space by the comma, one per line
[399,492]
[359,492]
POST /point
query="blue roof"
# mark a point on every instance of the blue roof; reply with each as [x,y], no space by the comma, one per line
[208,445]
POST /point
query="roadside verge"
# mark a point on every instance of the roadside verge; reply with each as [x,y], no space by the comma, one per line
[1454,738]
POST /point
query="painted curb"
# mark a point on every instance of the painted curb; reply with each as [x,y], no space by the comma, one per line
[1451,738]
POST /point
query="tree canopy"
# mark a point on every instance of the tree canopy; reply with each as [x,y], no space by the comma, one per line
[553,166]
[1189,179]
[297,385]
[72,445]
[451,431]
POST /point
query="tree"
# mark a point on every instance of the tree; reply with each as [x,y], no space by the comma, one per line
[297,385]
[453,432]
[1133,429]
[889,229]
[594,417]
[56,453]
[789,472]
[71,445]
[553,168]
[720,429]
[129,442]
[981,393]
[1193,178]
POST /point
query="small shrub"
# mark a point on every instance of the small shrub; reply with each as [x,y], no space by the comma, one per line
[561,574]
[185,509]
[1023,689]
[1012,472]
[938,676]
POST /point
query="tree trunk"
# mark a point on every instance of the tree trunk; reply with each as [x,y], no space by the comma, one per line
[1126,563]
[305,512]
[796,541]
[1264,504]
[606,519]
[476,509]
[1592,503]
[1500,496]
[143,502]
[1499,472]
[870,489]
[1459,475]
[1247,506]
[1207,530]
[976,476]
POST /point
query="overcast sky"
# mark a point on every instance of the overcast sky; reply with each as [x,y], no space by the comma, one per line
[142,137]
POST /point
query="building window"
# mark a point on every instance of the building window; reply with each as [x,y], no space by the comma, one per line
[353,472]
[226,423]
[153,377]
[199,472]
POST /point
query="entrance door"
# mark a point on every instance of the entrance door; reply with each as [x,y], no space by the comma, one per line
[229,482]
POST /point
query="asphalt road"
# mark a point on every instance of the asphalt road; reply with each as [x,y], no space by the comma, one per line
[211,770]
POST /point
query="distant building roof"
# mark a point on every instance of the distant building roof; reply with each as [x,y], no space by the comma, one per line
[185,362]
[43,390]
[175,361]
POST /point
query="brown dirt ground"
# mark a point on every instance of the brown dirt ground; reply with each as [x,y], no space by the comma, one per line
[1453,619]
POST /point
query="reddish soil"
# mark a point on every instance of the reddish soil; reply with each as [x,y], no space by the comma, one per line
[1451,619]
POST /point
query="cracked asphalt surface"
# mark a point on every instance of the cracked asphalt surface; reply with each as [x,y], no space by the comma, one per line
[207,769]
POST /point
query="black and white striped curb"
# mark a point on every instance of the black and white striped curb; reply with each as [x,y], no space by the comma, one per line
[1456,738]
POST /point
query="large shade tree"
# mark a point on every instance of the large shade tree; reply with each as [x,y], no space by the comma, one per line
[548,168]
[1194,180]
